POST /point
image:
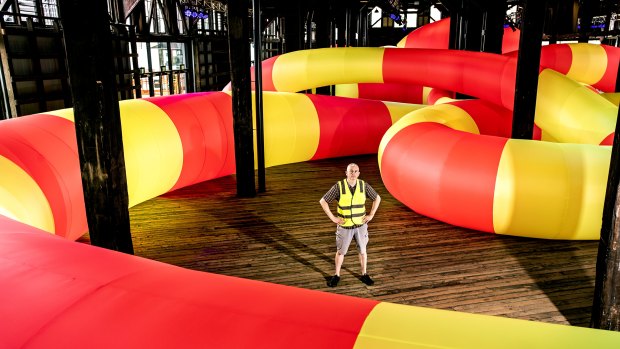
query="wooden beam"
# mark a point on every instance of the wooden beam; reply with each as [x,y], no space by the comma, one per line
[293,32]
[239,53]
[97,122]
[606,305]
[527,69]
[258,94]
[493,26]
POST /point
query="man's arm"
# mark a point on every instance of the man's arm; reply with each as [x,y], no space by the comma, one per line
[328,212]
[373,210]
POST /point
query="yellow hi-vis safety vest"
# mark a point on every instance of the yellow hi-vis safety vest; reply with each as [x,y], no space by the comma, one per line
[351,205]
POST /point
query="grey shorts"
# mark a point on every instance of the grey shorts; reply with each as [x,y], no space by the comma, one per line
[344,237]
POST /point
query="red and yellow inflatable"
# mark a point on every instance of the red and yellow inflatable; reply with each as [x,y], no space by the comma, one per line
[452,161]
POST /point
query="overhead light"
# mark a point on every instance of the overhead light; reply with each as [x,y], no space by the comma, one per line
[195,9]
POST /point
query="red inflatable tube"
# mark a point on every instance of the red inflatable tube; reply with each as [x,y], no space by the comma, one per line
[490,77]
[404,93]
[432,189]
[349,126]
[437,35]
[140,302]
[44,146]
[208,143]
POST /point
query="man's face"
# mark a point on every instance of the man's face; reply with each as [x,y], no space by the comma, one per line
[352,173]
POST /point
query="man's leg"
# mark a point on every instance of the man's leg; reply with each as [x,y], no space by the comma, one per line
[343,240]
[339,259]
[362,241]
[363,262]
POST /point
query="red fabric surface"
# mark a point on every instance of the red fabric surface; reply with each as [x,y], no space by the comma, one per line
[437,93]
[403,93]
[487,76]
[556,57]
[491,119]
[608,81]
[349,126]
[609,140]
[45,147]
[267,73]
[510,40]
[432,35]
[64,294]
[204,123]
[437,35]
[443,173]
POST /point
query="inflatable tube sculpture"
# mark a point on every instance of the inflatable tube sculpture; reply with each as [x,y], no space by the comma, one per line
[437,35]
[63,294]
[189,140]
[430,36]
[535,189]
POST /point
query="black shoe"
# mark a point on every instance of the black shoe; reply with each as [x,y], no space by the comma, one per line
[333,282]
[367,280]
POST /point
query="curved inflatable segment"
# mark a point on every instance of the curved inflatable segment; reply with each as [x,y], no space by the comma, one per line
[569,112]
[164,306]
[437,35]
[204,125]
[44,148]
[551,190]
[595,65]
[441,172]
[172,142]
[486,76]
[492,184]
[299,127]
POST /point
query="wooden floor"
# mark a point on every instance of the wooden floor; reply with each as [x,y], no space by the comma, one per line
[283,236]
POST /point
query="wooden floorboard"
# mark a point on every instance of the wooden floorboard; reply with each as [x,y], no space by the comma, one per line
[283,236]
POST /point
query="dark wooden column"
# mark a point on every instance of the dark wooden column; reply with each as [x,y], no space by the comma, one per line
[323,21]
[456,39]
[258,93]
[493,26]
[293,33]
[350,25]
[239,53]
[97,122]
[527,69]
[585,20]
[606,305]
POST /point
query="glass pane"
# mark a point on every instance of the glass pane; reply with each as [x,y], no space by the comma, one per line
[143,61]
[178,55]
[159,56]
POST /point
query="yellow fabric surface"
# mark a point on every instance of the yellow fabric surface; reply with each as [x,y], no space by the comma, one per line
[398,326]
[153,150]
[22,199]
[291,128]
[561,184]
[306,69]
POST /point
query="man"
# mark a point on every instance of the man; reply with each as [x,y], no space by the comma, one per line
[351,219]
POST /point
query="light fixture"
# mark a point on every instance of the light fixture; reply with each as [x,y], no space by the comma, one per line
[195,8]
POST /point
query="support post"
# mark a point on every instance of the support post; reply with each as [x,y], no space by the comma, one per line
[97,122]
[239,56]
[527,69]
[258,94]
[293,33]
[493,26]
[606,305]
